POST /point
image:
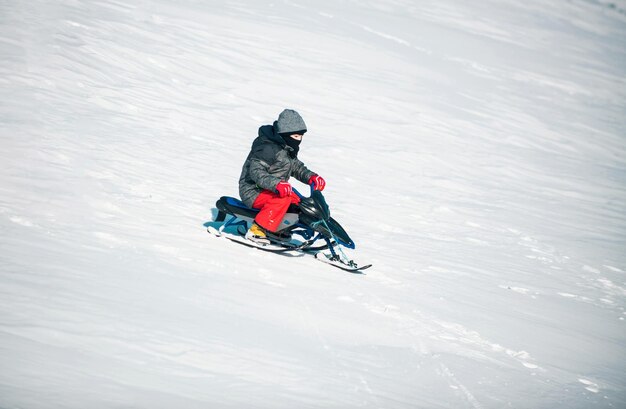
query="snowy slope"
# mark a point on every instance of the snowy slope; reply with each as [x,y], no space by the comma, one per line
[475,151]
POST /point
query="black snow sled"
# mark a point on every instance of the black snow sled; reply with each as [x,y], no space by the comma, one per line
[307,227]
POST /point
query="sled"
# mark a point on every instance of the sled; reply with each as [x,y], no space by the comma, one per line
[307,227]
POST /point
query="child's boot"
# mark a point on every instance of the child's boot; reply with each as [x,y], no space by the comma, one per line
[257,234]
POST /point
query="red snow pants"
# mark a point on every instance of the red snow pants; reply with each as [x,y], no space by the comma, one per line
[273,209]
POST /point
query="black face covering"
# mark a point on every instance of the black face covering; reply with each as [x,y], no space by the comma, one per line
[292,143]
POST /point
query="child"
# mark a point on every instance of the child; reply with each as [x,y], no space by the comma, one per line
[264,182]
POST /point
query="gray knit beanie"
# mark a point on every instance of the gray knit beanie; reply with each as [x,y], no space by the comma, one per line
[289,122]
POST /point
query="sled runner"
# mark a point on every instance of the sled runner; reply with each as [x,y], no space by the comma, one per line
[306,228]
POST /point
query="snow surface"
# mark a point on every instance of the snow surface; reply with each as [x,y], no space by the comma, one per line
[475,151]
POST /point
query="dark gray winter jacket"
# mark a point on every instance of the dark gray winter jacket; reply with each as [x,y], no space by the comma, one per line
[270,161]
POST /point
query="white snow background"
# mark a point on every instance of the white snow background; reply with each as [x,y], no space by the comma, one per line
[475,151]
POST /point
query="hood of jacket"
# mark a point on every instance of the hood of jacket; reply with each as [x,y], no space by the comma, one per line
[269,132]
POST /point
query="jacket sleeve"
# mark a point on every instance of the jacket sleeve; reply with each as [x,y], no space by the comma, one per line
[301,172]
[260,161]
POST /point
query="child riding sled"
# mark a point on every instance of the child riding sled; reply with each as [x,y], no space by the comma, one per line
[264,182]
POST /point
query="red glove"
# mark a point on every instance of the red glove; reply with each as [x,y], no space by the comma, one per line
[283,189]
[318,182]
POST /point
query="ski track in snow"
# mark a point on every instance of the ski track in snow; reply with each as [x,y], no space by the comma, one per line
[475,153]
